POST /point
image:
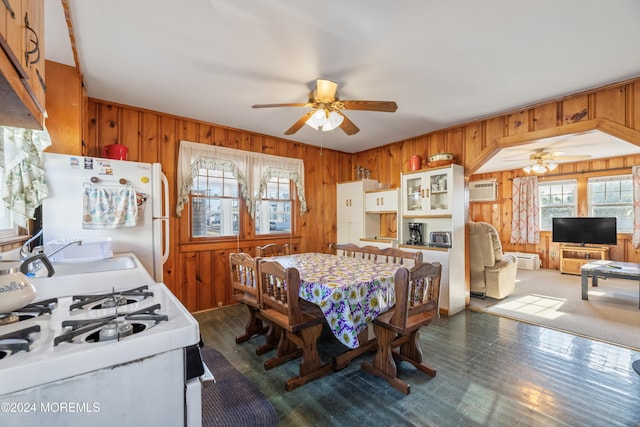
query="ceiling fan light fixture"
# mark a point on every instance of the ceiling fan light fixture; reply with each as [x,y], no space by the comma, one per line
[325,121]
[335,119]
[319,118]
[541,166]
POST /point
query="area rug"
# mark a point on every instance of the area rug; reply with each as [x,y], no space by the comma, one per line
[551,299]
[232,400]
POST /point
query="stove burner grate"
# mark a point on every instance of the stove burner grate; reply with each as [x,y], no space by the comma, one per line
[137,319]
[110,300]
[29,311]
[16,341]
[39,308]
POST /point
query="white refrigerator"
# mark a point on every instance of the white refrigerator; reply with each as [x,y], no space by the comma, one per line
[64,210]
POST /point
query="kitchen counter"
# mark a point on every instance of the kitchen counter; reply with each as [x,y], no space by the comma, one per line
[379,239]
[428,246]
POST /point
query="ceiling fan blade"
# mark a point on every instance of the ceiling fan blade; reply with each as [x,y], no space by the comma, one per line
[383,106]
[306,104]
[568,158]
[325,91]
[298,125]
[347,125]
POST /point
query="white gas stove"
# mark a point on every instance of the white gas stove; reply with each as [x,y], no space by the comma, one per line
[101,354]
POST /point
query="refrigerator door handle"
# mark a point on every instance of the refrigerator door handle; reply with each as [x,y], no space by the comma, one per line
[165,218]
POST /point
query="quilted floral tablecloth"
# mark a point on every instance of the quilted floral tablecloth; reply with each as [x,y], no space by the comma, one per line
[351,292]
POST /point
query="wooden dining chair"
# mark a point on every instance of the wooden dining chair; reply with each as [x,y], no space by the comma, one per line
[273,249]
[346,249]
[369,252]
[280,304]
[398,256]
[417,303]
[355,251]
[244,287]
[273,333]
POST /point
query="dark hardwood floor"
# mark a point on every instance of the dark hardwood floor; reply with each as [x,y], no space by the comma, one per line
[491,371]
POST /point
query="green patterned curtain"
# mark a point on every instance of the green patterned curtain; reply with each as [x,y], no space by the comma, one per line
[23,182]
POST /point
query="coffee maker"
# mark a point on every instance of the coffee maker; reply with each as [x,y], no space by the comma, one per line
[416,231]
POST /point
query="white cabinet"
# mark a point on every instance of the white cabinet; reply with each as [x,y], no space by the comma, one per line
[427,192]
[453,288]
[381,201]
[435,198]
[352,224]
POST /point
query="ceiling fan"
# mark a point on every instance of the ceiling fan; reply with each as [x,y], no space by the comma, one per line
[544,161]
[326,113]
[540,156]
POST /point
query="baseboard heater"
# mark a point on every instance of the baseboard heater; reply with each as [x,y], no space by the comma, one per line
[526,261]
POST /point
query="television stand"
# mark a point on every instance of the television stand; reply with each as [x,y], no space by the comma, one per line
[573,257]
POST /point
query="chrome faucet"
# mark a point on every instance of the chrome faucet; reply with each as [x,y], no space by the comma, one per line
[35,266]
[75,242]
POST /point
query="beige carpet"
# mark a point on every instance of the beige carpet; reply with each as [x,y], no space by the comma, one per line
[551,299]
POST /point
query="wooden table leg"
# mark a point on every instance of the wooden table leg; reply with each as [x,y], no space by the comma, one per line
[342,360]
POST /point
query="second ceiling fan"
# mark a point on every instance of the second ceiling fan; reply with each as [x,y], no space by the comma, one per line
[327,109]
[541,156]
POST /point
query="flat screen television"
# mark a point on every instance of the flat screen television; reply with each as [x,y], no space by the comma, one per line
[585,230]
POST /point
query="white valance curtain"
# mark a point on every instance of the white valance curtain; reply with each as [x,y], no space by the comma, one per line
[636,207]
[525,222]
[23,181]
[253,171]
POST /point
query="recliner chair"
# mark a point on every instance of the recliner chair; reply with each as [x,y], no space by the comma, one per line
[493,274]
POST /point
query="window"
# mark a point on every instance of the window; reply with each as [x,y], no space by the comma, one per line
[557,199]
[613,196]
[8,227]
[227,188]
[273,211]
[215,204]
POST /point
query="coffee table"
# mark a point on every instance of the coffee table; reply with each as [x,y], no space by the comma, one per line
[605,268]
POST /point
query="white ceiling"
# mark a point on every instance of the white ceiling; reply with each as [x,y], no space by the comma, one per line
[443,62]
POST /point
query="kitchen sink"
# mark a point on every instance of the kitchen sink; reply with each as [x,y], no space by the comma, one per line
[97,266]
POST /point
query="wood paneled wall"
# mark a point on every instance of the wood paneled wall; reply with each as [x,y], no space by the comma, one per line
[197,272]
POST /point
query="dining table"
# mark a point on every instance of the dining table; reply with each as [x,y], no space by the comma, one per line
[351,292]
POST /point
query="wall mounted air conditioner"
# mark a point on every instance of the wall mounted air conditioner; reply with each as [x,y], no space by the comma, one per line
[483,191]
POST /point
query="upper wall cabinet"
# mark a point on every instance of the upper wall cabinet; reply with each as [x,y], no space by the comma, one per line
[352,222]
[381,201]
[427,192]
[22,82]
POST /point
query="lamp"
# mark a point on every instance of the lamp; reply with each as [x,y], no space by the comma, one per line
[325,120]
[540,166]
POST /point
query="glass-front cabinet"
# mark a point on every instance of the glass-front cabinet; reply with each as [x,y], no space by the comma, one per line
[433,206]
[427,192]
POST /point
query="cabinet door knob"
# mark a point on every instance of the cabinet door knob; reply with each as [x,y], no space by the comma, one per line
[382,200]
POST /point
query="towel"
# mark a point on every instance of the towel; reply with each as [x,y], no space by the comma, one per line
[107,208]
